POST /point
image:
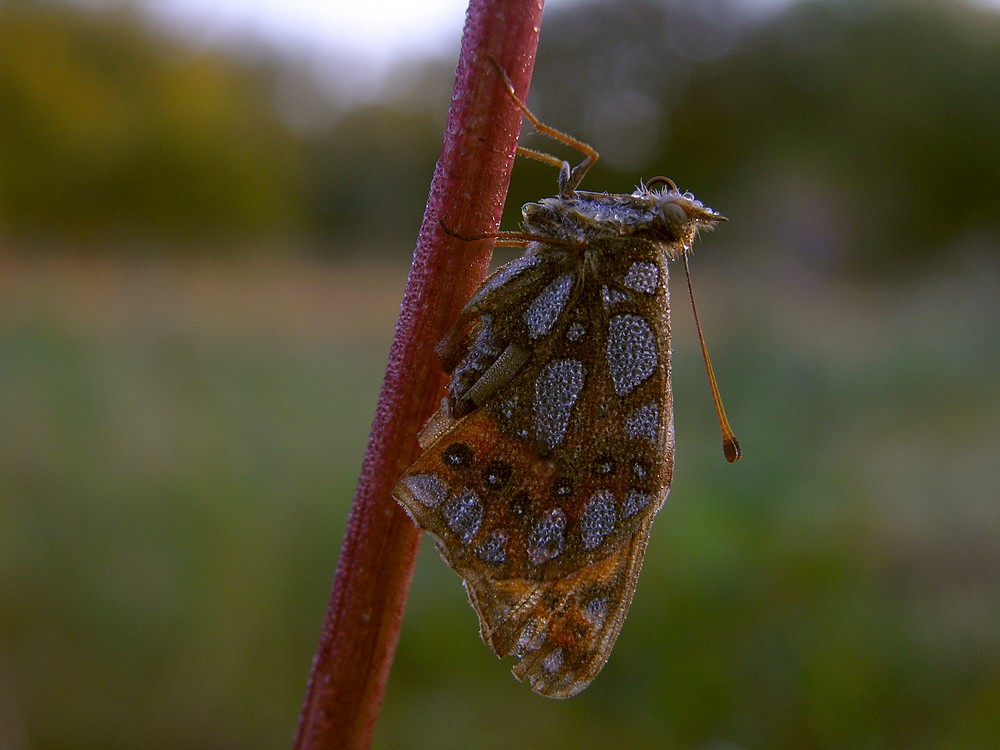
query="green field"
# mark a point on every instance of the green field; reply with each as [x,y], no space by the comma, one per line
[179,443]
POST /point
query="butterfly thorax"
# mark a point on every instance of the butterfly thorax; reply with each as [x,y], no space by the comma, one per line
[666,218]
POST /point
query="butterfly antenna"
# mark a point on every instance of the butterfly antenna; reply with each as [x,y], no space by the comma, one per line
[730,445]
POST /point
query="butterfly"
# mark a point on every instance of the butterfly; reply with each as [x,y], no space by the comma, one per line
[553,450]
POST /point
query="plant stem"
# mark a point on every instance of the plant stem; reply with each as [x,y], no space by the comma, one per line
[364,615]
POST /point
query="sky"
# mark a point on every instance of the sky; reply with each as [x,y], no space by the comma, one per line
[360,40]
[368,36]
[378,30]
[365,36]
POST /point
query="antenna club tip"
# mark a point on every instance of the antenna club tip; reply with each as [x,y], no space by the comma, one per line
[731,449]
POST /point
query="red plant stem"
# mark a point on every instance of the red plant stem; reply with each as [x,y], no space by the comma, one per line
[363,618]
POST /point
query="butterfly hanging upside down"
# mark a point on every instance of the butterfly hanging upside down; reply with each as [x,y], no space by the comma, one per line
[554,448]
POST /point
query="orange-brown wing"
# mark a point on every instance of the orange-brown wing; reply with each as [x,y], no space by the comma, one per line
[542,498]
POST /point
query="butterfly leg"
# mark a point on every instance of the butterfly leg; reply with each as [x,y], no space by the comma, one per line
[569,178]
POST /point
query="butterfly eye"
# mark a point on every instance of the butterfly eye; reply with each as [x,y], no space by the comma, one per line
[675,215]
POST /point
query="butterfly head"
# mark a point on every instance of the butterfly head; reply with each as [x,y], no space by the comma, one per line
[681,214]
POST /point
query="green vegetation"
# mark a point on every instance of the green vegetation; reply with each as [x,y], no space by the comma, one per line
[112,135]
[176,480]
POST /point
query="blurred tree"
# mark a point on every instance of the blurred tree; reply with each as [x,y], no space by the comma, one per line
[847,136]
[365,177]
[111,134]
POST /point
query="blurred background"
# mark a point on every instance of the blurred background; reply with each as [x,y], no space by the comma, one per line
[207,212]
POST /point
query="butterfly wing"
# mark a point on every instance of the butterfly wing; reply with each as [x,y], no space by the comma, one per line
[547,465]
